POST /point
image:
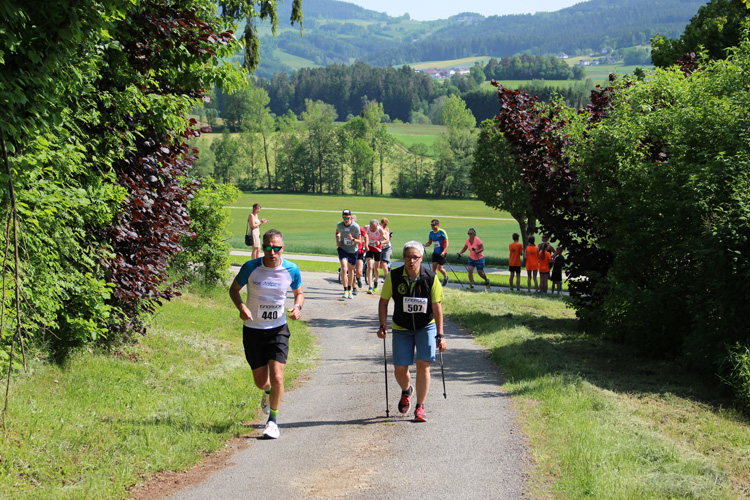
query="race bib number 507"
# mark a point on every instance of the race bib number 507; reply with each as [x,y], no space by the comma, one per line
[415,305]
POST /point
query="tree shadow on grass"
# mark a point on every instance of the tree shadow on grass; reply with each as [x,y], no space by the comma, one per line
[556,346]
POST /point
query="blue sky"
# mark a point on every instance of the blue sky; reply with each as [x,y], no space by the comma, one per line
[429,10]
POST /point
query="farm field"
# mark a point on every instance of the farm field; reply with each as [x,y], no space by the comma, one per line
[514,84]
[410,134]
[465,62]
[309,221]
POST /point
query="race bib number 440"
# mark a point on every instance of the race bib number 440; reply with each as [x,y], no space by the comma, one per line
[415,305]
[268,313]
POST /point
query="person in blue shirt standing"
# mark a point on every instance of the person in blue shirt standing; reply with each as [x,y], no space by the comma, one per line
[265,334]
[440,238]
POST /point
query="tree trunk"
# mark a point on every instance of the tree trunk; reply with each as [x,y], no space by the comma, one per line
[268,165]
[381,176]
[526,224]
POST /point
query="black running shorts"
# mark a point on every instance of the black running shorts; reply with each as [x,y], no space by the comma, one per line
[264,345]
[373,255]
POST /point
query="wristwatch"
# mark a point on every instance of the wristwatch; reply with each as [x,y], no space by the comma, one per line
[298,307]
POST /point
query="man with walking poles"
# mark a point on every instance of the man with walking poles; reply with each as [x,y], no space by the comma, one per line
[417,324]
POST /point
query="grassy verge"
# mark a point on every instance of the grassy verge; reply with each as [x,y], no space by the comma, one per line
[602,422]
[97,426]
[304,265]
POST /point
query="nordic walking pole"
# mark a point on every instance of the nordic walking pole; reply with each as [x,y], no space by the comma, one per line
[462,262]
[385,366]
[455,275]
[442,371]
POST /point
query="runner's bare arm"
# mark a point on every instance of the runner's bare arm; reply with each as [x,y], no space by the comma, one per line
[437,313]
[295,312]
[382,318]
[386,238]
[234,294]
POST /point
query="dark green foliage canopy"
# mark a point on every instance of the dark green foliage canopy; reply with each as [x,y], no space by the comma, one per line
[716,27]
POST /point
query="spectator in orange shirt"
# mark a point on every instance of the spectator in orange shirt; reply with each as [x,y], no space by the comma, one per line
[514,262]
[544,260]
[531,256]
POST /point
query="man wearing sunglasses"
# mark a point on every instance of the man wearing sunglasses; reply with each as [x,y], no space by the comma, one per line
[440,238]
[265,334]
[348,238]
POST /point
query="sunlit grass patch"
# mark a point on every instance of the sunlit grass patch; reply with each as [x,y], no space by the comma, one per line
[603,422]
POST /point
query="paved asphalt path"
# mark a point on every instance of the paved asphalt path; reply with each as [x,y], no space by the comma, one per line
[337,443]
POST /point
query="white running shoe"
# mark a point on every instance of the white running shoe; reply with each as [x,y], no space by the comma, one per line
[271,431]
[266,403]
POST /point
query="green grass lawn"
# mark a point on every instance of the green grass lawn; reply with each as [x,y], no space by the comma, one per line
[309,221]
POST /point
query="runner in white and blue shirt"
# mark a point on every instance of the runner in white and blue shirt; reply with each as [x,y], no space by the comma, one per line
[265,334]
[266,291]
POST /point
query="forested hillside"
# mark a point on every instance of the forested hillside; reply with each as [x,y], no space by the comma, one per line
[339,32]
[585,26]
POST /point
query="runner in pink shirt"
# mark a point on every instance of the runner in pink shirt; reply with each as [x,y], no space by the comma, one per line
[476,257]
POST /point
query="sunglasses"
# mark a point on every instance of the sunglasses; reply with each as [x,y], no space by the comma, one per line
[268,248]
[347,218]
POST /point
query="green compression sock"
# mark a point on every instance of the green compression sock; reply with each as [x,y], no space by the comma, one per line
[273,415]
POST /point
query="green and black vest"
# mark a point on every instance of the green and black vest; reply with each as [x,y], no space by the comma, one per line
[402,287]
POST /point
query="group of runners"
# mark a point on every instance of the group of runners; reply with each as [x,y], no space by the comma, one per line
[417,321]
[356,245]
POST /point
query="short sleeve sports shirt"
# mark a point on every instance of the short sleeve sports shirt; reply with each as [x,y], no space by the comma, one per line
[516,249]
[345,231]
[438,239]
[473,254]
[266,291]
[532,258]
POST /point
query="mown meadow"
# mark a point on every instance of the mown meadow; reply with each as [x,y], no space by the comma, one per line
[309,221]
